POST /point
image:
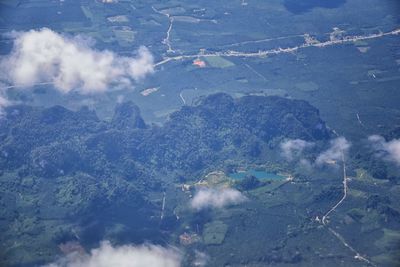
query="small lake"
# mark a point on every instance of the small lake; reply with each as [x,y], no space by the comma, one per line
[261,175]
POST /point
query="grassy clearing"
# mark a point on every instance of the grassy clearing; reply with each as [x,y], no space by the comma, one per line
[219,62]
[214,233]
[308,86]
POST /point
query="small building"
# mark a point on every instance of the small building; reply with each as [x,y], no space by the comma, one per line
[199,63]
[188,239]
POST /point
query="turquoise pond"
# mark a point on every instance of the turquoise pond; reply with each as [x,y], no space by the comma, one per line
[262,175]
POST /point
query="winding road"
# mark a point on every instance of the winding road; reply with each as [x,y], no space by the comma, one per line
[325,217]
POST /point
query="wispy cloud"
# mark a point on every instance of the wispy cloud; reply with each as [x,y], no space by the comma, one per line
[293,148]
[387,150]
[3,102]
[334,153]
[216,198]
[70,63]
[201,259]
[133,256]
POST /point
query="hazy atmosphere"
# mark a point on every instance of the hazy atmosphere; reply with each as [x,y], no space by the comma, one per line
[199,133]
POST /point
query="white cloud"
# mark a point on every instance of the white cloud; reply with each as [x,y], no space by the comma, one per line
[201,259]
[388,150]
[339,146]
[3,101]
[306,164]
[294,147]
[70,63]
[216,198]
[123,256]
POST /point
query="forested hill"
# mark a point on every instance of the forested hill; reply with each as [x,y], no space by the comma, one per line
[57,141]
[60,167]
[220,127]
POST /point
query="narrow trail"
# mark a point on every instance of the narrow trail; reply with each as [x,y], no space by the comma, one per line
[256,72]
[183,99]
[357,255]
[167,40]
[359,120]
[163,206]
